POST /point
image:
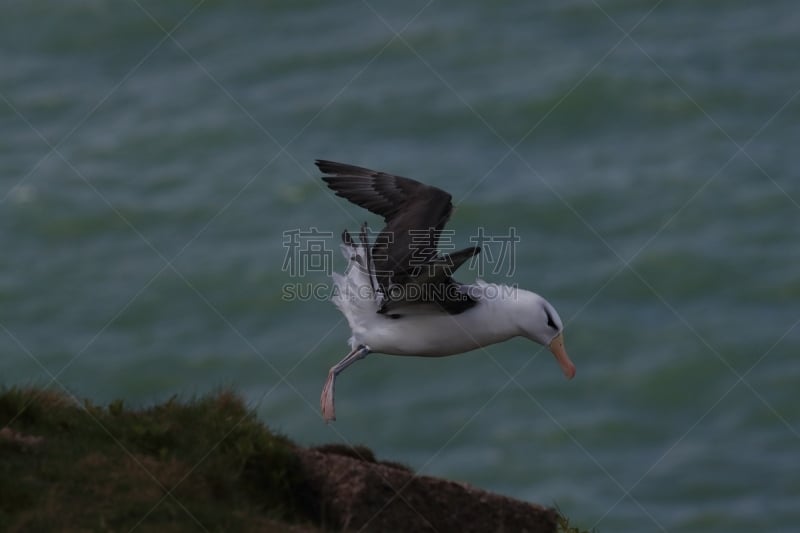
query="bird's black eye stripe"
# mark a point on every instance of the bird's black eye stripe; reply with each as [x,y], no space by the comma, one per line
[550,321]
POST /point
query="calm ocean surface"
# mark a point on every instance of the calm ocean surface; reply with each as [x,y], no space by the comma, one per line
[156,158]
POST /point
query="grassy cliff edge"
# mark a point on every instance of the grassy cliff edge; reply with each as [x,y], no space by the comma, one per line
[210,464]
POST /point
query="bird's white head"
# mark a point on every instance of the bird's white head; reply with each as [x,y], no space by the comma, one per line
[542,324]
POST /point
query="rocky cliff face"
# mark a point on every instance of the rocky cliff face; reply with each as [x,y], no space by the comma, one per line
[357,493]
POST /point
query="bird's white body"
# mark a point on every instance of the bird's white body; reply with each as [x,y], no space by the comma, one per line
[423,330]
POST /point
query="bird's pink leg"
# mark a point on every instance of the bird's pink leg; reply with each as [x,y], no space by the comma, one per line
[326,400]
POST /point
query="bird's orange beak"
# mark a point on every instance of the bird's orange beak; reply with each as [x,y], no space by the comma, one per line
[557,347]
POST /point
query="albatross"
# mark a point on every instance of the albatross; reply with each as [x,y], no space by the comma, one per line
[398,293]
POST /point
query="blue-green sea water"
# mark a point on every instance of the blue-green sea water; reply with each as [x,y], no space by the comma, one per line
[156,158]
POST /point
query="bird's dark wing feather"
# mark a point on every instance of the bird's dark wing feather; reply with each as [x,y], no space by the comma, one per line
[385,194]
[415,215]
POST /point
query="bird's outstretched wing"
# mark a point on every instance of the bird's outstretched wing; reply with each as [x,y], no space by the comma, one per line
[404,253]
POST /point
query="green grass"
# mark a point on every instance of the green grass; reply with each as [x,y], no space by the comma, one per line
[168,467]
[564,525]
[204,464]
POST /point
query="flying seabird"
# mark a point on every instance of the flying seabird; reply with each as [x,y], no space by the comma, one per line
[398,293]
